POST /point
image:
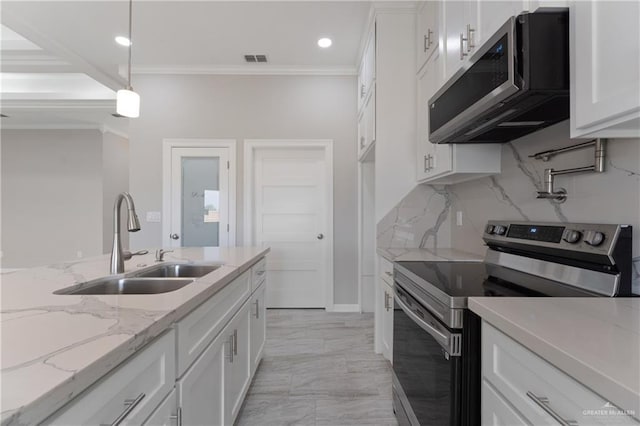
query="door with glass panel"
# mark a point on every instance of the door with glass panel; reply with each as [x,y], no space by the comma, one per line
[199,197]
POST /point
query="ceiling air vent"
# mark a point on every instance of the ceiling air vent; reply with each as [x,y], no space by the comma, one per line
[255,58]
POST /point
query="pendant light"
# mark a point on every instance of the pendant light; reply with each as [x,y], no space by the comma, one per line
[128,101]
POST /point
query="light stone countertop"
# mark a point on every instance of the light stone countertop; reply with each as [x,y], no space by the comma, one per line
[594,340]
[55,346]
[428,255]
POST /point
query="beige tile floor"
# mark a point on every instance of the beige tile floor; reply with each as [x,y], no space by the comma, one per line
[319,368]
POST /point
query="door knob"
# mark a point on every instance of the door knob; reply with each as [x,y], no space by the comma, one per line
[320,236]
[174,236]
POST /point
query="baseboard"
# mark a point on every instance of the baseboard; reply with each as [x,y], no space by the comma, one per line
[346,307]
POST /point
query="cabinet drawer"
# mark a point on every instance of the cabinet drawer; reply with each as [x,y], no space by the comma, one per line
[522,377]
[386,270]
[139,385]
[496,411]
[200,327]
[258,274]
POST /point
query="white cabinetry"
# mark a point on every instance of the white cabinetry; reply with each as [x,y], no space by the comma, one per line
[367,96]
[237,373]
[447,163]
[367,71]
[167,413]
[493,14]
[519,387]
[129,394]
[605,65]
[258,326]
[367,124]
[460,33]
[428,32]
[385,308]
[201,389]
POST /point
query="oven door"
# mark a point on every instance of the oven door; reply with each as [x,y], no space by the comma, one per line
[427,366]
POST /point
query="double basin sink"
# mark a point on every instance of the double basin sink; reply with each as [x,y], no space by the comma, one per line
[156,279]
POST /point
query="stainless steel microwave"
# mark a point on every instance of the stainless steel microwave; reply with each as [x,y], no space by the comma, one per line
[516,83]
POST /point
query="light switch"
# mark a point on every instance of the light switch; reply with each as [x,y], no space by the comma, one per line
[153,217]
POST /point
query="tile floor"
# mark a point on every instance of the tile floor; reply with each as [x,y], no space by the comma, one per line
[319,369]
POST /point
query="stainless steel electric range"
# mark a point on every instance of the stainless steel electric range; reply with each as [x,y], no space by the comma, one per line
[436,339]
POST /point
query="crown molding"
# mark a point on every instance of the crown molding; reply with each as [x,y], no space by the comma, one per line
[51,127]
[243,70]
[108,129]
[43,105]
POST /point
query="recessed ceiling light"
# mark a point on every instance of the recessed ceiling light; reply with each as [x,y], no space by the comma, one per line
[123,41]
[324,42]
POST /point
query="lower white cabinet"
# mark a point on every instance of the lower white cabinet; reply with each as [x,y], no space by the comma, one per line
[237,371]
[201,389]
[258,327]
[519,387]
[128,395]
[387,319]
[167,413]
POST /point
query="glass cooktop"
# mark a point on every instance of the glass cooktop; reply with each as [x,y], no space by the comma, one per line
[479,279]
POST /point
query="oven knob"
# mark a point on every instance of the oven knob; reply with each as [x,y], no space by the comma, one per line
[593,238]
[489,229]
[572,236]
[500,230]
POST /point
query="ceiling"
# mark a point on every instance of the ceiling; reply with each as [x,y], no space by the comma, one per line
[199,36]
[61,66]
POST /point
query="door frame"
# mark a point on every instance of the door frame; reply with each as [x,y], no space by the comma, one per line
[250,146]
[170,143]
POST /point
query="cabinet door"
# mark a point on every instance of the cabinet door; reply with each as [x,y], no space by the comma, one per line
[432,160]
[367,123]
[461,27]
[386,299]
[201,389]
[258,326]
[427,32]
[237,372]
[166,414]
[370,61]
[362,89]
[496,411]
[362,133]
[605,53]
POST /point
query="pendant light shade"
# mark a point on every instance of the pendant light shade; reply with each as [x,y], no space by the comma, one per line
[128,101]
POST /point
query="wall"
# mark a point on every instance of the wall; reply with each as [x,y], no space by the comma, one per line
[425,218]
[115,173]
[249,107]
[51,196]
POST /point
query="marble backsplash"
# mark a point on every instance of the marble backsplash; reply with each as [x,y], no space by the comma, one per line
[426,217]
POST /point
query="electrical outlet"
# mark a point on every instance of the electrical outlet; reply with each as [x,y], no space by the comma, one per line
[153,217]
[459,218]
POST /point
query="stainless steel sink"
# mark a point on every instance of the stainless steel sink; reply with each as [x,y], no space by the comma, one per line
[184,270]
[122,285]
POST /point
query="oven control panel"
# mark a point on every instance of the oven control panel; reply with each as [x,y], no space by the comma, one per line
[598,239]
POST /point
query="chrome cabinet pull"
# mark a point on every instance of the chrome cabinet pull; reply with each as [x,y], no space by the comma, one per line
[257,303]
[388,273]
[426,167]
[229,356]
[362,141]
[362,91]
[462,40]
[543,402]
[387,298]
[428,39]
[470,43]
[129,405]
[431,162]
[260,273]
[235,341]
[424,44]
[177,417]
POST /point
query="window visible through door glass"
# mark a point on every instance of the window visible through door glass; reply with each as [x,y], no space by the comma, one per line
[200,201]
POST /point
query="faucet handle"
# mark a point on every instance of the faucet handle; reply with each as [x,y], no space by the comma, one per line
[160,254]
[126,255]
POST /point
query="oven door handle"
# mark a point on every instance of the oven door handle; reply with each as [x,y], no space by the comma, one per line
[450,342]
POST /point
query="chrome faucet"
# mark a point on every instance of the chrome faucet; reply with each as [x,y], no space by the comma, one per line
[133,224]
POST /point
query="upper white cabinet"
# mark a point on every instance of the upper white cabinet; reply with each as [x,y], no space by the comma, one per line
[493,14]
[428,32]
[447,163]
[367,124]
[460,28]
[367,72]
[605,65]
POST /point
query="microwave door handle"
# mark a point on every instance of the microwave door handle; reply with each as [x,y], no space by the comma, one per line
[442,339]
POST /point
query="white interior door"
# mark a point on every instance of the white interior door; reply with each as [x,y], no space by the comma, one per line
[199,197]
[291,203]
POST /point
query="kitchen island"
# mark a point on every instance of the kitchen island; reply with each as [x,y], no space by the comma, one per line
[56,346]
